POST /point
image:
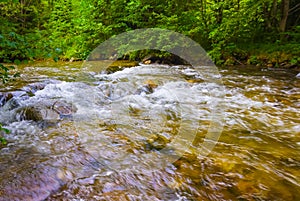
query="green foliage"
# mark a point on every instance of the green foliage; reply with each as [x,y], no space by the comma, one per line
[295,61]
[3,140]
[252,60]
[5,74]
[65,29]
[15,47]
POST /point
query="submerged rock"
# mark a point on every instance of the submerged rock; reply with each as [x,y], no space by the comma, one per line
[36,176]
[64,109]
[158,141]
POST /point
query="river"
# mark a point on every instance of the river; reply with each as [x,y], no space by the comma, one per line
[78,135]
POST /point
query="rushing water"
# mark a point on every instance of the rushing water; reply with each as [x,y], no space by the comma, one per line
[114,146]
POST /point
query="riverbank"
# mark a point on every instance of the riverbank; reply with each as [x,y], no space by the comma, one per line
[273,55]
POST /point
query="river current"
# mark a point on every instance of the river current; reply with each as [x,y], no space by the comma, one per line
[139,133]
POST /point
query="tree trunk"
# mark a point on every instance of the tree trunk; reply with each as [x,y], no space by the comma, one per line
[285,12]
[267,16]
[219,11]
[273,13]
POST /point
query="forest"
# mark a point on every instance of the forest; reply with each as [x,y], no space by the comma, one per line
[233,32]
[126,120]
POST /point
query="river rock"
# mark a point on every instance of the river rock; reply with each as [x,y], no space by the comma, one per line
[23,93]
[158,141]
[64,109]
[4,97]
[49,111]
[148,88]
[151,59]
[11,99]
[31,89]
[119,65]
[38,113]
[170,60]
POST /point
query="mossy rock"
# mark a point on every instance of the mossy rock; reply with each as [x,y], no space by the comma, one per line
[109,66]
[167,59]
[120,65]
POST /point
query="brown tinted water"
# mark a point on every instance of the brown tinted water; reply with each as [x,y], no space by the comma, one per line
[103,151]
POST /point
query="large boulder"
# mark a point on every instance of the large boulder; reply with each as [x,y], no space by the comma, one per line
[170,60]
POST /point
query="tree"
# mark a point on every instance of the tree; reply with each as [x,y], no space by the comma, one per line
[285,5]
[65,29]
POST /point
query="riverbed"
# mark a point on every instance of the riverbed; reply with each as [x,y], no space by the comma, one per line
[138,134]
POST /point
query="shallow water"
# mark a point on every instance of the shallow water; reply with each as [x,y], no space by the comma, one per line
[127,139]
